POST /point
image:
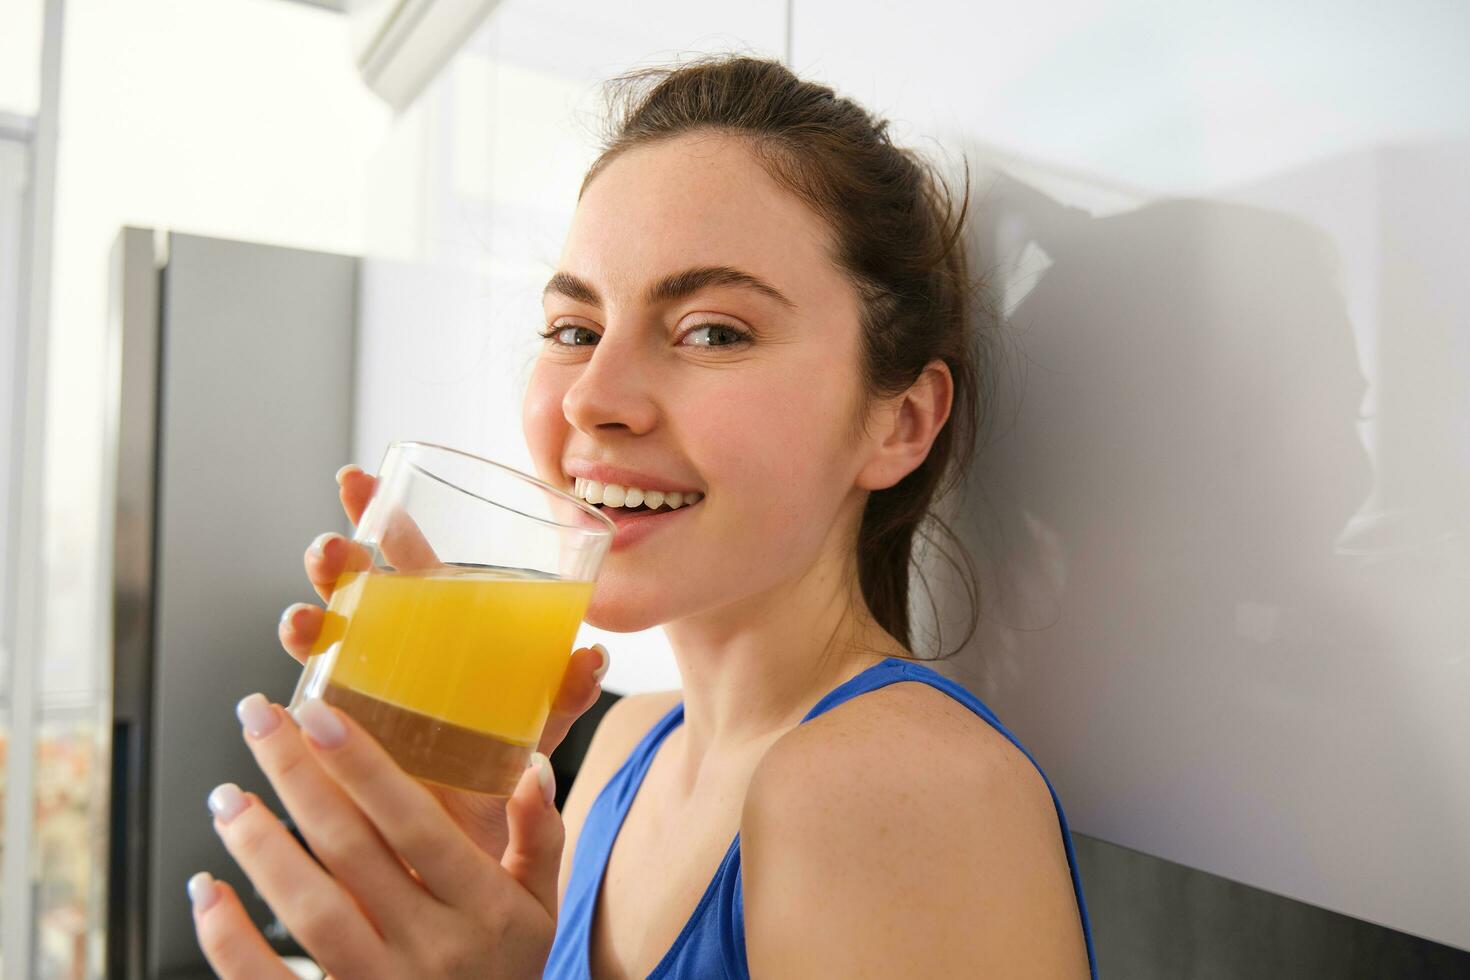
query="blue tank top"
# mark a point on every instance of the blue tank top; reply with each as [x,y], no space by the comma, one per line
[712,942]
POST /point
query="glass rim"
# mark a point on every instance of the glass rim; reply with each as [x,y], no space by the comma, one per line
[608,526]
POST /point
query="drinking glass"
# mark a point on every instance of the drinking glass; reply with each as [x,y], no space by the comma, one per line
[449,631]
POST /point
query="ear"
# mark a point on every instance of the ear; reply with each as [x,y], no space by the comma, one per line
[906,427]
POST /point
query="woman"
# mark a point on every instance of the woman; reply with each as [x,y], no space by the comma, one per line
[762,305]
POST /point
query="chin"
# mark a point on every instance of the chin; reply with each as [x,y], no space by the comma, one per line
[617,611]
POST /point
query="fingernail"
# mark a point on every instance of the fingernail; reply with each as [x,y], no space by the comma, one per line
[345,470]
[319,546]
[202,891]
[226,802]
[318,721]
[601,671]
[257,715]
[544,776]
[289,616]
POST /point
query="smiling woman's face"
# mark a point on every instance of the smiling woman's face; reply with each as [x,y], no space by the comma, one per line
[739,381]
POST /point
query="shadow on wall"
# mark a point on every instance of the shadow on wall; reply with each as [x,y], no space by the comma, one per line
[1183,390]
[1173,459]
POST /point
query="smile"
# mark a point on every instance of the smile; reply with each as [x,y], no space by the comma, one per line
[615,498]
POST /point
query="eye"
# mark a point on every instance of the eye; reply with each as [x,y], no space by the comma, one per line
[551,335]
[719,335]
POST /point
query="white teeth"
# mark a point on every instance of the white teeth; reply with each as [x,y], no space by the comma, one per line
[613,495]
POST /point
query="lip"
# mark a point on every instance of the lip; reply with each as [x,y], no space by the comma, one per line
[632,528]
[604,473]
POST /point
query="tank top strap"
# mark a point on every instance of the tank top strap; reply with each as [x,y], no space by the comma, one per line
[569,951]
[891,670]
[625,782]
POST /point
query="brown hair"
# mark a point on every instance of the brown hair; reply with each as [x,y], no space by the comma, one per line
[897,235]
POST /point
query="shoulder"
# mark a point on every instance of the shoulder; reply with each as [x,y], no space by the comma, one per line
[627,721]
[906,736]
[900,833]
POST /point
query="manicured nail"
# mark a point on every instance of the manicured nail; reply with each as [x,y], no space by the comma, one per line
[601,671]
[319,546]
[289,616]
[256,715]
[202,891]
[318,721]
[544,776]
[342,473]
[226,802]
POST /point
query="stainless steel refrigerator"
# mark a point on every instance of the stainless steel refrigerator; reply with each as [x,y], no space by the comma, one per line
[232,366]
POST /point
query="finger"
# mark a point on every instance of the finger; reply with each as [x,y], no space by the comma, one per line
[408,816]
[402,542]
[580,687]
[533,853]
[404,545]
[231,942]
[300,625]
[338,833]
[329,556]
[313,906]
[355,490]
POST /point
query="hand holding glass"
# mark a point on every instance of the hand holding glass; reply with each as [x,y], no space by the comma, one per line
[449,631]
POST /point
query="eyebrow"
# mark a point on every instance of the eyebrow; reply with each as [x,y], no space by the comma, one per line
[679,285]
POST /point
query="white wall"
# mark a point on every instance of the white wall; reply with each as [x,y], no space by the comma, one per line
[1224,537]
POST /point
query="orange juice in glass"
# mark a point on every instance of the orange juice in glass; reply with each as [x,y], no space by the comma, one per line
[449,644]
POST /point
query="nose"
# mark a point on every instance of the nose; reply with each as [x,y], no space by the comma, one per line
[615,389]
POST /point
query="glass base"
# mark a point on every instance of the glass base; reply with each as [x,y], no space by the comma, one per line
[436,750]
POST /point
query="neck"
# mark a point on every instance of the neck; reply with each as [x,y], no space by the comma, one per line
[752,669]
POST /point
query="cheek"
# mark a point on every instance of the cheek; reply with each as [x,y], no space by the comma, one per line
[542,423]
[782,445]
